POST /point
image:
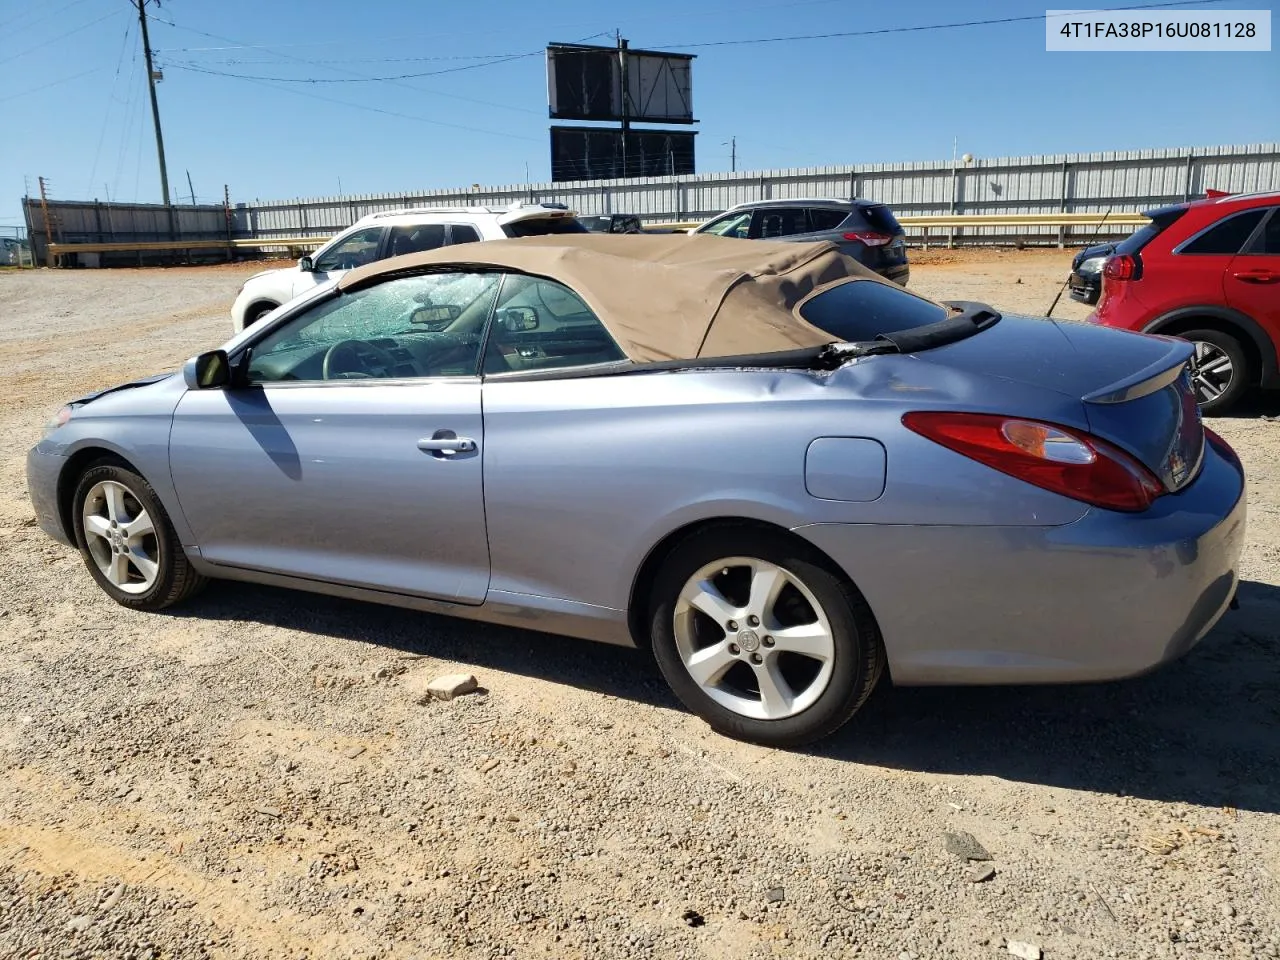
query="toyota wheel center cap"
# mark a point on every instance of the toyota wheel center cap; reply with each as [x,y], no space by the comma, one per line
[749,640]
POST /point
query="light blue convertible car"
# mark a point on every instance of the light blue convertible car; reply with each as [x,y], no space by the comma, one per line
[781,473]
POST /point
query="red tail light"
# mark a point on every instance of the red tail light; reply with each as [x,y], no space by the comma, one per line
[1072,463]
[870,238]
[1122,267]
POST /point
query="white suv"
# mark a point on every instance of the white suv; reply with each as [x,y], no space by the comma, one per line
[391,234]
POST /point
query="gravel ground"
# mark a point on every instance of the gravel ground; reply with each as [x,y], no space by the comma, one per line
[254,776]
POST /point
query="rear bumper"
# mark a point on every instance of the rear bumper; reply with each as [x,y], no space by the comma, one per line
[1109,596]
[899,274]
[43,470]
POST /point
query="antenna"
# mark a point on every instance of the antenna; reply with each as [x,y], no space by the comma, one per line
[1096,231]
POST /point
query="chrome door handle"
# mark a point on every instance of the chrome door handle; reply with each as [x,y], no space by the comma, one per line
[447,445]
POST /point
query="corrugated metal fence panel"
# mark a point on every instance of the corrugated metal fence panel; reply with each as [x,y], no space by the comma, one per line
[1085,183]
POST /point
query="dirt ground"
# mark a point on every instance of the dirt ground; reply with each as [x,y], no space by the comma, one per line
[253,776]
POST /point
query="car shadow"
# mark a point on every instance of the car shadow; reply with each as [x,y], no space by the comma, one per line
[1202,730]
[1257,404]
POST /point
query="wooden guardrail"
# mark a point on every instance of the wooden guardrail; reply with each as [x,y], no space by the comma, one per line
[127,247]
[924,223]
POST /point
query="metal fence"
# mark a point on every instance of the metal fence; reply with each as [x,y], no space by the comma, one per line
[1121,182]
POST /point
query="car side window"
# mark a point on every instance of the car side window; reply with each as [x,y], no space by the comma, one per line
[430,325]
[823,218]
[1225,237]
[781,222]
[543,325]
[1267,241]
[412,239]
[355,251]
[463,233]
[732,225]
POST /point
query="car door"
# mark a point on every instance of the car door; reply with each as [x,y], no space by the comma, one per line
[1252,280]
[774,223]
[355,250]
[350,450]
[733,224]
[1203,259]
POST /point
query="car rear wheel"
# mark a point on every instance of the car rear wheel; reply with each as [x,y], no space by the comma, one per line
[757,636]
[128,542]
[1219,369]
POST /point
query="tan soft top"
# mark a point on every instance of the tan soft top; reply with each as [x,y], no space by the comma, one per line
[667,296]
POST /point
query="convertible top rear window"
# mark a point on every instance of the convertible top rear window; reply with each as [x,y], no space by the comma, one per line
[862,310]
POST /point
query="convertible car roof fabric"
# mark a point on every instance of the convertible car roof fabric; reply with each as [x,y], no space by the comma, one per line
[665,296]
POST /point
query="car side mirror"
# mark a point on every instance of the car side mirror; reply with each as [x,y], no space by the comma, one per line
[306,265]
[208,371]
[519,319]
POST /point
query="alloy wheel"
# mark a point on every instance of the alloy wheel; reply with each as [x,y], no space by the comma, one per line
[121,537]
[1211,371]
[754,638]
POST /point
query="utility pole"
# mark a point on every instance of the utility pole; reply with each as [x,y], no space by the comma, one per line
[48,228]
[191,189]
[155,106]
[733,154]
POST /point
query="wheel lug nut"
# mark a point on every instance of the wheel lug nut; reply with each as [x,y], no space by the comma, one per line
[756,658]
[733,648]
[731,625]
[753,621]
[767,641]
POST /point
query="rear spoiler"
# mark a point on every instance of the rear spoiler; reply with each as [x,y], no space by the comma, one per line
[1154,376]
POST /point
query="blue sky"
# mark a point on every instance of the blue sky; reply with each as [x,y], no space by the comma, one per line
[73,101]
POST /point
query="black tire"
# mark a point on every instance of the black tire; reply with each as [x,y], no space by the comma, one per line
[859,657]
[1241,374]
[175,581]
[257,312]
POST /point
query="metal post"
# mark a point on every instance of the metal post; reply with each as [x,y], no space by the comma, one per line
[155,105]
[1062,231]
[733,154]
[191,189]
[623,100]
[1186,189]
[226,210]
[951,236]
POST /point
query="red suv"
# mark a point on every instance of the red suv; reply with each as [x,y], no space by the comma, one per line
[1207,271]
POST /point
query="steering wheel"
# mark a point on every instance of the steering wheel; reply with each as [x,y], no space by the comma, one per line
[349,360]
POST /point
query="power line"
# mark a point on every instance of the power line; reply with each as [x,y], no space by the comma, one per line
[61,36]
[127,123]
[111,97]
[52,83]
[56,13]
[393,113]
[930,26]
[352,73]
[355,79]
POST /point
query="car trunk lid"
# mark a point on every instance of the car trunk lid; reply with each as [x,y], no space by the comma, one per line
[1134,389]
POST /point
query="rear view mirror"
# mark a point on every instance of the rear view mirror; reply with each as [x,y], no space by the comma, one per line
[208,371]
[436,316]
[306,265]
[518,319]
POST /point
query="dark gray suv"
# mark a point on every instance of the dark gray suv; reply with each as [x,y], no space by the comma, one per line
[864,230]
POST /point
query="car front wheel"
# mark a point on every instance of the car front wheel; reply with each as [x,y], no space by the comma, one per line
[257,312]
[757,636]
[128,542]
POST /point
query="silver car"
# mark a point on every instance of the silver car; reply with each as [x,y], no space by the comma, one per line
[782,474]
